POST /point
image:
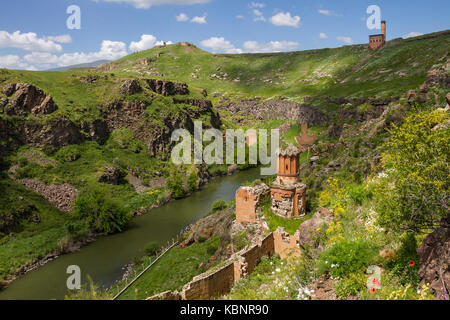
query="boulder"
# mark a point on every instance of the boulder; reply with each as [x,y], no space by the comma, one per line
[26,99]
[447,97]
[434,254]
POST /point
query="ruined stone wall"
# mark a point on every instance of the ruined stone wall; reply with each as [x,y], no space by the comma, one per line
[207,286]
[253,256]
[245,206]
[285,244]
[210,286]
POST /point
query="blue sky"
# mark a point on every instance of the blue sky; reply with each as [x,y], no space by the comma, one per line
[34,34]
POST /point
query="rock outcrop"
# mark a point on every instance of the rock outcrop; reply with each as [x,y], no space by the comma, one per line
[167,88]
[24,99]
[130,87]
[434,253]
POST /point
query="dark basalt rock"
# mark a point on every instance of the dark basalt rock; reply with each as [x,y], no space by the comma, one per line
[167,88]
[25,99]
[130,87]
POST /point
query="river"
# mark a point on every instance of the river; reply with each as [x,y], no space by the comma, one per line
[104,259]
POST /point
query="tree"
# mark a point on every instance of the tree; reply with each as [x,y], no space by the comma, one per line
[100,213]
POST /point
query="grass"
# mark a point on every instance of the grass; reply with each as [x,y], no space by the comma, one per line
[274,221]
[183,263]
[30,240]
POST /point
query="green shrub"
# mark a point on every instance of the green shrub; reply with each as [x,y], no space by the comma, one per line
[400,267]
[346,257]
[125,139]
[22,162]
[175,185]
[416,159]
[218,205]
[100,213]
[240,240]
[193,181]
[69,153]
[350,286]
[358,193]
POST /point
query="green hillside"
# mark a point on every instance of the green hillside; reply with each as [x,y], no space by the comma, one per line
[107,135]
[349,70]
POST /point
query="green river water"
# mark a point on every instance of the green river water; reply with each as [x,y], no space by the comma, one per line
[104,259]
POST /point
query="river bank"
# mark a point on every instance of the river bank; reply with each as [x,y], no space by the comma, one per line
[105,258]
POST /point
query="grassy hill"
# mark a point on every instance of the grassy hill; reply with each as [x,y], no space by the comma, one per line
[87,98]
[347,71]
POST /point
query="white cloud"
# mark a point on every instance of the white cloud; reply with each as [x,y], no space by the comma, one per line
[27,41]
[147,41]
[323,35]
[285,20]
[327,12]
[273,46]
[65,38]
[182,17]
[200,20]
[239,16]
[258,15]
[219,44]
[346,40]
[9,61]
[412,34]
[110,50]
[257,5]
[145,4]
[14,62]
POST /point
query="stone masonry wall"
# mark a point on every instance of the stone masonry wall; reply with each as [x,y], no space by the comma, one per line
[207,286]
[213,285]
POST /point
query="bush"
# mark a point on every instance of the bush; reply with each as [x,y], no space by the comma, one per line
[350,286]
[358,193]
[151,248]
[193,181]
[346,257]
[218,205]
[400,267]
[175,185]
[125,139]
[417,159]
[69,154]
[100,213]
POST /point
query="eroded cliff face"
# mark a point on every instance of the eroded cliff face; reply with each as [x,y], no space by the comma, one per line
[272,110]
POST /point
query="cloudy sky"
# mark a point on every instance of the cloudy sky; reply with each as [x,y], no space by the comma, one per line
[34,34]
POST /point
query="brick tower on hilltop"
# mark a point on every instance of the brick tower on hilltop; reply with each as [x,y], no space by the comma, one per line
[287,193]
[378,40]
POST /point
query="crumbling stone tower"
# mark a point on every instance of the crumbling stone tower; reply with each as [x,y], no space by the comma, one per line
[287,193]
